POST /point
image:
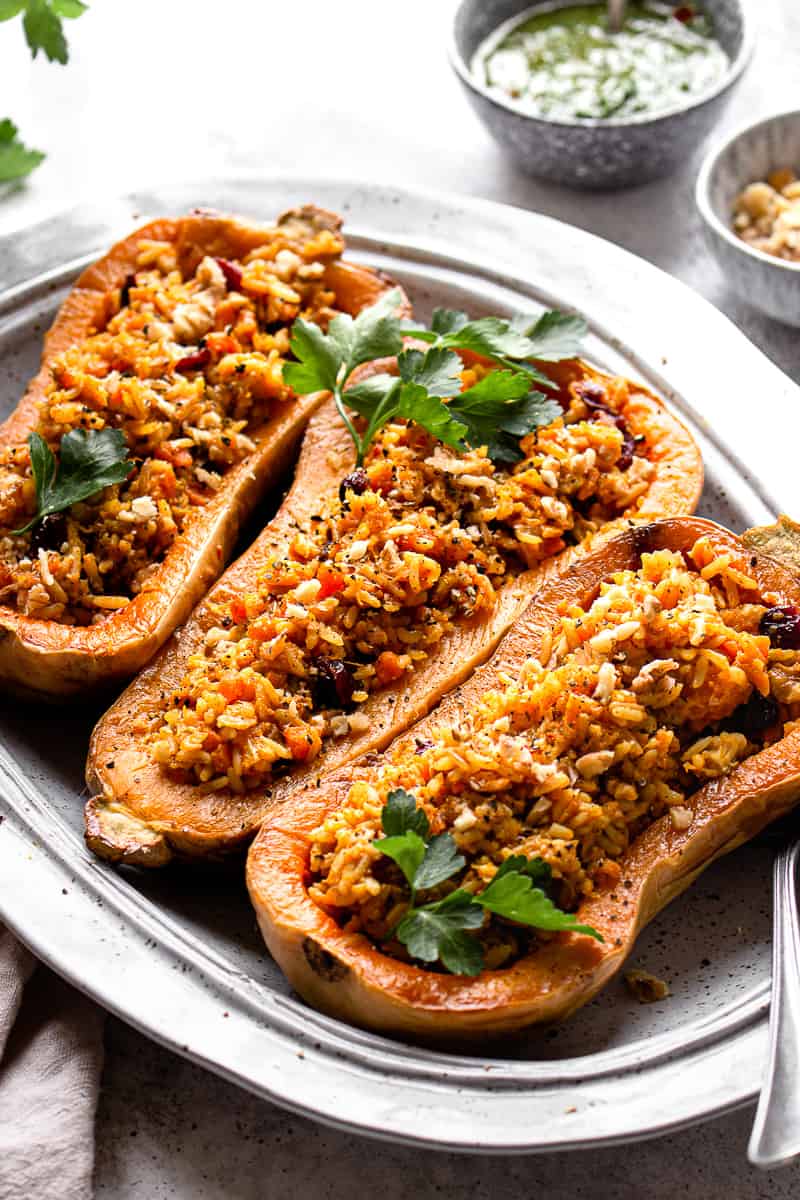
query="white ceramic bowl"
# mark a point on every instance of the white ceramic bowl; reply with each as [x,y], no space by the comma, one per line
[769,283]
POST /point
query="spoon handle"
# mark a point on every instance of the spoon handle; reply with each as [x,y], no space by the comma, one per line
[776,1131]
[616,15]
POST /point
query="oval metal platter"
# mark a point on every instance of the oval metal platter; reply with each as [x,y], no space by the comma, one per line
[177,953]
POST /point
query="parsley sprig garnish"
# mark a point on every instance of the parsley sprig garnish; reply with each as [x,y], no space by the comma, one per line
[88,462]
[496,412]
[42,24]
[16,159]
[440,931]
[550,338]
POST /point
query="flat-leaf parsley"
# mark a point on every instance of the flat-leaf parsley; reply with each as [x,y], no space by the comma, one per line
[16,159]
[496,412]
[88,462]
[440,931]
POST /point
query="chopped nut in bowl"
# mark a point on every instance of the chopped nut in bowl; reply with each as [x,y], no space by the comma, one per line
[767,214]
[749,198]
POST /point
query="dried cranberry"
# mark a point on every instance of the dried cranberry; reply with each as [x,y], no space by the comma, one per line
[684,13]
[782,626]
[193,362]
[594,397]
[335,684]
[232,273]
[125,291]
[626,453]
[50,533]
[357,481]
[753,717]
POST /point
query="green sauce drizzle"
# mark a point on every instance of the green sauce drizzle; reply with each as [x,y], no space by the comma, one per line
[565,64]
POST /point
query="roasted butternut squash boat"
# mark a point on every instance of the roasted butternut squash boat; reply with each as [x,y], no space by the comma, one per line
[166,356]
[371,594]
[494,868]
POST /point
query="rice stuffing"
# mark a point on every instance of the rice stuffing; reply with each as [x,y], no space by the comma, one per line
[421,541]
[187,367]
[674,674]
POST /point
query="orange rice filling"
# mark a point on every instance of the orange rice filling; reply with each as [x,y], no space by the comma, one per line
[665,681]
[187,367]
[370,588]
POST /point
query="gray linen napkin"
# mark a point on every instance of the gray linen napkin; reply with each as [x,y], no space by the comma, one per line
[51,1055]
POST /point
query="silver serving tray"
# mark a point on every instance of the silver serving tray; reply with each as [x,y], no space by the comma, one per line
[177,953]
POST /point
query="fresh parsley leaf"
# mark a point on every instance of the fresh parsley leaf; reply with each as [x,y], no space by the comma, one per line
[438,932]
[382,397]
[448,320]
[512,895]
[441,860]
[407,850]
[551,337]
[44,31]
[414,403]
[425,863]
[16,160]
[535,868]
[499,410]
[89,461]
[71,9]
[400,813]
[555,335]
[374,333]
[41,22]
[437,370]
[318,361]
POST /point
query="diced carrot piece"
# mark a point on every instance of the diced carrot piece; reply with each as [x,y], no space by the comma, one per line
[331,582]
[303,742]
[388,667]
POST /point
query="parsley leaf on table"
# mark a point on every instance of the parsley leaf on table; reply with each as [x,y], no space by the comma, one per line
[89,461]
[16,160]
[43,29]
[41,22]
[440,931]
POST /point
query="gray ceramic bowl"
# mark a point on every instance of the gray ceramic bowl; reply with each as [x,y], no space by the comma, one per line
[591,153]
[769,283]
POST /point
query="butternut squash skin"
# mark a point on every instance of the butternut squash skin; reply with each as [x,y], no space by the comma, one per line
[48,660]
[139,815]
[346,975]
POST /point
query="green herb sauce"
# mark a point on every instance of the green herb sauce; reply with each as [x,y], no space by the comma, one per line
[565,64]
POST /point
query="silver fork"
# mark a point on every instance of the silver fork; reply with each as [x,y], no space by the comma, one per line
[776,1130]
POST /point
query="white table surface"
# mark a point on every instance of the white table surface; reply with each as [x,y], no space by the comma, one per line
[160,90]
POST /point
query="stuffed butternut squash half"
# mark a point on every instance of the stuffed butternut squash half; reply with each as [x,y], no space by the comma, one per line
[494,868]
[431,499]
[158,418]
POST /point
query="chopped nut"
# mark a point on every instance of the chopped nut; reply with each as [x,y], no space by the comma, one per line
[681,817]
[767,215]
[645,987]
